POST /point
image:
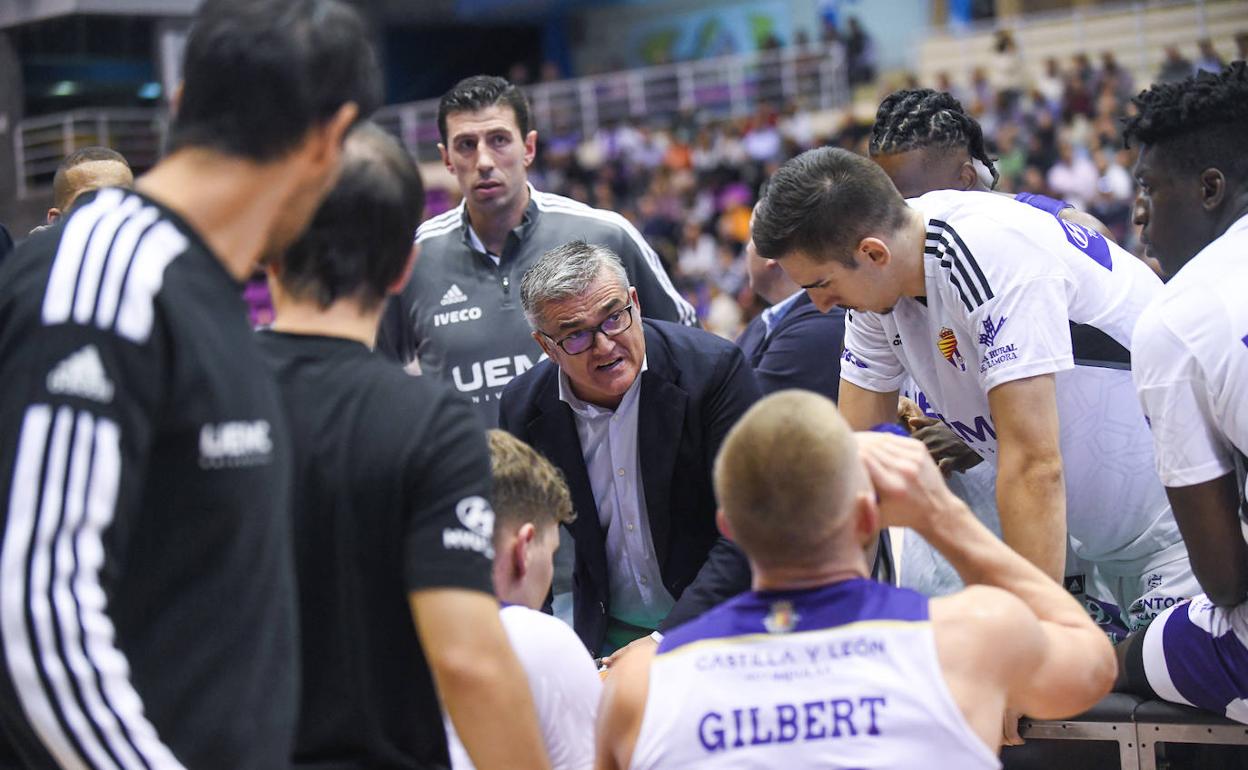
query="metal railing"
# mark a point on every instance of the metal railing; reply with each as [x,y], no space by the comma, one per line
[705,90]
[39,144]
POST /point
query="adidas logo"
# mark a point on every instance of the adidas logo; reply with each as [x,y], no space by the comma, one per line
[82,375]
[453,296]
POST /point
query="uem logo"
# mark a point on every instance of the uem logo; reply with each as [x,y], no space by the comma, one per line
[947,344]
[492,373]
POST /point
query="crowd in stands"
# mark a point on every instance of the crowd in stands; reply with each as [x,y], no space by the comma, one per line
[689,186]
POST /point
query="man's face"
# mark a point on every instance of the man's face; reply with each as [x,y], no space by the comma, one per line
[603,373]
[915,172]
[1174,225]
[767,279]
[488,157]
[831,283]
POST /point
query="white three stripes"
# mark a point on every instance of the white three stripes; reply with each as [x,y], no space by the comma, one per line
[63,542]
[111,240]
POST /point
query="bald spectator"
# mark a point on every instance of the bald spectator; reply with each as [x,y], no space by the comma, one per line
[84,170]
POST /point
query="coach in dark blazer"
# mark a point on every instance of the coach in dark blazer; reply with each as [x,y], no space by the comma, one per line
[693,386]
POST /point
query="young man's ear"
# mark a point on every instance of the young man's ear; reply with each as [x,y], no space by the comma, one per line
[875,251]
[446,159]
[967,176]
[530,147]
[1212,188]
[866,518]
[725,528]
[53,214]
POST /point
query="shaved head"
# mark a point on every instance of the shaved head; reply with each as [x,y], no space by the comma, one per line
[84,170]
[786,479]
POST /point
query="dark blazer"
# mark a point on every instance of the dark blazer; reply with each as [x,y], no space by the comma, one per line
[802,351]
[695,387]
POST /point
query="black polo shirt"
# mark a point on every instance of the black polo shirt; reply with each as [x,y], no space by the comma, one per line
[392,474]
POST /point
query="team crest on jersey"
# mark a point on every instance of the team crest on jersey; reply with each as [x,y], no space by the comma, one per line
[947,344]
[782,619]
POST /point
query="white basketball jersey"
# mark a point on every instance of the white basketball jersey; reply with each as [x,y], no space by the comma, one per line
[1014,292]
[843,676]
[1192,363]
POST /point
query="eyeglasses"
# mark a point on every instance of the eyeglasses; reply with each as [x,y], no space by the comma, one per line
[579,341]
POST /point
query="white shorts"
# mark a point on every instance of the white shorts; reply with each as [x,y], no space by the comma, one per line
[1197,654]
[1125,603]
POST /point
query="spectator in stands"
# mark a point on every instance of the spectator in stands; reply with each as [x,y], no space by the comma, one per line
[790,344]
[1073,177]
[530,501]
[801,495]
[839,229]
[145,451]
[1241,45]
[1008,71]
[391,522]
[1191,370]
[633,413]
[1051,84]
[1209,59]
[458,316]
[83,170]
[1174,67]
[859,53]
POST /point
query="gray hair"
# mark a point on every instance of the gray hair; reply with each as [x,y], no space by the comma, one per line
[566,271]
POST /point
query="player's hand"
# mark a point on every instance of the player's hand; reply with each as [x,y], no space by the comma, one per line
[907,410]
[645,641]
[1009,728]
[950,452]
[909,489]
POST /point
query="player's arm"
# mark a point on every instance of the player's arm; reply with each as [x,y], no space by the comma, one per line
[621,710]
[1031,492]
[871,373]
[864,409]
[1064,663]
[1208,519]
[480,680]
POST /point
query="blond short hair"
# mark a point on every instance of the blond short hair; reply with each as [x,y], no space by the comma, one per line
[786,477]
[528,489]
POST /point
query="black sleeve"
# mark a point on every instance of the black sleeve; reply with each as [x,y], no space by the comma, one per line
[726,572]
[804,354]
[77,423]
[447,535]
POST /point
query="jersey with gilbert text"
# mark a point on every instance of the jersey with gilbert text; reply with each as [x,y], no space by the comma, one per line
[460,315]
[1015,292]
[1191,367]
[841,676]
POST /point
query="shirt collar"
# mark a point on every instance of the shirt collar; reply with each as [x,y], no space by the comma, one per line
[531,212]
[776,313]
[586,410]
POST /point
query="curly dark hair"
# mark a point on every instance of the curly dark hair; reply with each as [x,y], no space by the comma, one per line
[1203,120]
[918,118]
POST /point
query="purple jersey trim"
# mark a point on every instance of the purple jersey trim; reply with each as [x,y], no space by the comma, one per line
[813,609]
[1043,202]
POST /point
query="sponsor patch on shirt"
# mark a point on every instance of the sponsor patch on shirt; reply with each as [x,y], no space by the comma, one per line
[477,518]
[235,444]
[1089,242]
